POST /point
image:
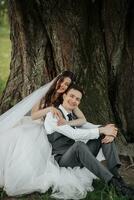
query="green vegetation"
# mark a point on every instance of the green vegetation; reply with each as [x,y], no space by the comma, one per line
[101,192]
[5,52]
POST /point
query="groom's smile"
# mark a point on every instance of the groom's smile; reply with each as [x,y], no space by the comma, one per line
[71,99]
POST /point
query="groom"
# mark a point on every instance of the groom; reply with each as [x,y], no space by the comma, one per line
[74,146]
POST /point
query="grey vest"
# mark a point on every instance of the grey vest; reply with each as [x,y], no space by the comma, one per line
[59,142]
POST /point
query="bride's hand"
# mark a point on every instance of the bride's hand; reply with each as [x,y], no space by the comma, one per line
[61,122]
[56,112]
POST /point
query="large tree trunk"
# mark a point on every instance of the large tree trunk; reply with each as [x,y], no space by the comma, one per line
[92,38]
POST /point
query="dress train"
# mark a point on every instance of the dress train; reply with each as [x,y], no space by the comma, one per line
[26,165]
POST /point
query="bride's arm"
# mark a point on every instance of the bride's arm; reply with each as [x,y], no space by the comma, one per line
[81,118]
[77,122]
[81,121]
[38,113]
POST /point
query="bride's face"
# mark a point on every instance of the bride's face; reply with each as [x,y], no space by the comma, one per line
[63,85]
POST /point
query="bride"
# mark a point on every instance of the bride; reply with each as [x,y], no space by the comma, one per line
[26,163]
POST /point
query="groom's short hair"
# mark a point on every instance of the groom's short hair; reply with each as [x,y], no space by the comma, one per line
[75,87]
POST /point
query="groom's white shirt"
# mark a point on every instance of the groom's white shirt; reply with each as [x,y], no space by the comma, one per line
[77,134]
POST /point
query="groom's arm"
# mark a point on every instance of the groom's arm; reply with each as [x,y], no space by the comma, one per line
[89,125]
[75,134]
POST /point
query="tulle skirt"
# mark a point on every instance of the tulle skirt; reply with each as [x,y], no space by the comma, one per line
[26,165]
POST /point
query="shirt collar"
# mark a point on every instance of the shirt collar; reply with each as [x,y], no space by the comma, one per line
[64,111]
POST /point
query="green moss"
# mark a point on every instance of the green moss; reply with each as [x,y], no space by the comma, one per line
[5,51]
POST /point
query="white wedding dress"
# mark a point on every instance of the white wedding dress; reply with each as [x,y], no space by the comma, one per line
[26,163]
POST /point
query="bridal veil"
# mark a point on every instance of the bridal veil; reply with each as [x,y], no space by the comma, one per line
[17,112]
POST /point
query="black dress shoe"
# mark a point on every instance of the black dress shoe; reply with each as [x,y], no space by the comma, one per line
[122,188]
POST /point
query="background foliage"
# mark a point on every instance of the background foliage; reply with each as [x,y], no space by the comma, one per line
[5,45]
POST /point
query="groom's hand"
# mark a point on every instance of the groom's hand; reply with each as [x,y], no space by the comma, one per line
[109,130]
[107,139]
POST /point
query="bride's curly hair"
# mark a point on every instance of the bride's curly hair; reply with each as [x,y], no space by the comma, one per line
[50,98]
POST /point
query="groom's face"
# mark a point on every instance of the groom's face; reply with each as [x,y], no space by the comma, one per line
[71,99]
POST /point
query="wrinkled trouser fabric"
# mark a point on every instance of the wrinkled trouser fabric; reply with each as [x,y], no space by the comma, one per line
[84,155]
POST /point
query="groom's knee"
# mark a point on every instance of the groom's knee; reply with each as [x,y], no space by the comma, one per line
[80,145]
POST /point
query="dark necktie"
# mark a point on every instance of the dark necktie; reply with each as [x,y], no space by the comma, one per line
[70,116]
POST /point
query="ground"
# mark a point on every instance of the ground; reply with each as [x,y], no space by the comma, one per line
[127,173]
[99,194]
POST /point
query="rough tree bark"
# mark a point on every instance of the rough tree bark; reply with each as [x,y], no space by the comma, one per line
[92,38]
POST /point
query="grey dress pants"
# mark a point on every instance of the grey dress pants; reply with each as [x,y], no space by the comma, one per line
[84,155]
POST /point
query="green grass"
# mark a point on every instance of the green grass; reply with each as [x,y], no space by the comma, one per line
[5,55]
[101,192]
